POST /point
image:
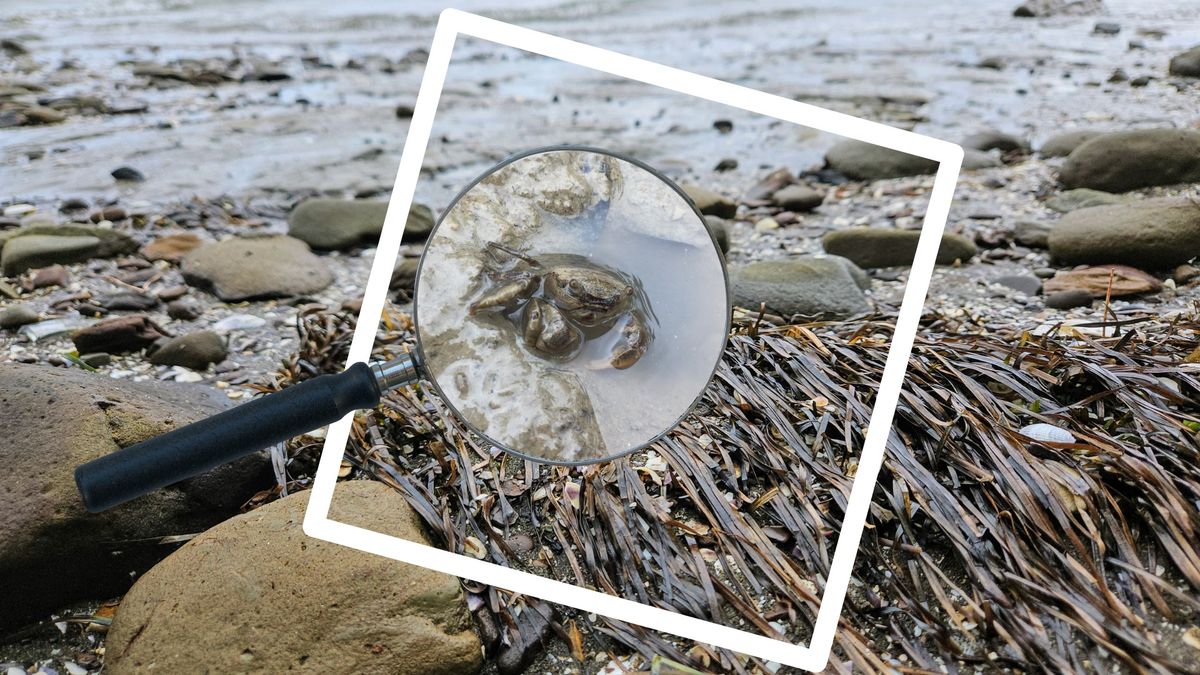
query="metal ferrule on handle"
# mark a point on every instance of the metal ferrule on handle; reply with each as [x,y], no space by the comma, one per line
[191,450]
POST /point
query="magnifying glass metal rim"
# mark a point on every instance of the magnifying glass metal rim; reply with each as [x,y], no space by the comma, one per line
[454,202]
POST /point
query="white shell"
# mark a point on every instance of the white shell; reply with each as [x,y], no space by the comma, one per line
[1048,433]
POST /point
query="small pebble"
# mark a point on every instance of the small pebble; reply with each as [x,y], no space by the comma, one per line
[1068,299]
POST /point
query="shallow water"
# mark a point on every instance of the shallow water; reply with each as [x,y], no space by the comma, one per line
[647,231]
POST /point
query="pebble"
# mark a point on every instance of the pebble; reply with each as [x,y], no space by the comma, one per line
[171,247]
[1184,274]
[798,198]
[38,250]
[1127,160]
[1021,283]
[127,301]
[1101,280]
[1031,233]
[993,139]
[52,327]
[1068,299]
[109,213]
[726,164]
[45,277]
[1106,28]
[246,268]
[17,315]
[723,126]
[128,173]
[1186,64]
[711,203]
[766,225]
[1158,233]
[194,350]
[889,247]
[72,204]
[172,293]
[185,309]
[331,224]
[18,210]
[118,336]
[96,360]
[239,322]
[867,161]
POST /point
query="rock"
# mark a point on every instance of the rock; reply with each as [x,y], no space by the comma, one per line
[1100,279]
[1063,144]
[1021,283]
[185,309]
[109,213]
[769,185]
[19,210]
[995,140]
[404,111]
[1068,299]
[1150,234]
[172,292]
[719,229]
[17,315]
[766,225]
[1106,28]
[271,599]
[711,203]
[127,301]
[887,247]
[239,322]
[118,336]
[1043,8]
[798,198]
[723,126]
[404,273]
[1031,233]
[1081,198]
[827,286]
[22,253]
[172,247]
[261,267]
[867,161]
[1141,81]
[45,277]
[112,242]
[128,173]
[528,640]
[974,160]
[194,350]
[343,223]
[72,204]
[1127,160]
[52,552]
[1184,274]
[992,63]
[97,360]
[1118,75]
[726,164]
[1186,64]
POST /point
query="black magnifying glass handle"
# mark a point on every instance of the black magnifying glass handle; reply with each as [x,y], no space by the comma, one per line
[193,449]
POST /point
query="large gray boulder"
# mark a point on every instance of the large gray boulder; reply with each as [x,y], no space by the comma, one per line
[52,551]
[344,223]
[827,286]
[255,594]
[1148,234]
[888,247]
[1127,160]
[867,161]
[253,268]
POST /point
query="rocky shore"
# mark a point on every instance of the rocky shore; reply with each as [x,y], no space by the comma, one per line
[173,209]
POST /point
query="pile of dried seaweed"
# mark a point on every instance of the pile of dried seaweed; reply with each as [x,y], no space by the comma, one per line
[984,548]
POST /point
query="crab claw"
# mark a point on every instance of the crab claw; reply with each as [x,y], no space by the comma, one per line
[504,298]
[633,343]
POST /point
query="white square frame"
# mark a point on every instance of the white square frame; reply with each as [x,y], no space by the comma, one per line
[813,656]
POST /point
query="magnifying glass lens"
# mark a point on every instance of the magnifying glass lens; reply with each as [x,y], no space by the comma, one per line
[571,306]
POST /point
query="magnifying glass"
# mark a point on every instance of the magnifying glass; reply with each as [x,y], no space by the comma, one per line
[570,306]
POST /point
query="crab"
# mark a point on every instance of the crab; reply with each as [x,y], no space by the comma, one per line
[563,304]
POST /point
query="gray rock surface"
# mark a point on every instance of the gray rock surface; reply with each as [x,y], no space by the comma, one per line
[867,161]
[1148,234]
[52,552]
[828,286]
[1081,198]
[1063,144]
[194,350]
[1186,64]
[271,599]
[976,159]
[1127,160]
[40,250]
[342,223]
[1069,299]
[886,247]
[260,267]
[1032,233]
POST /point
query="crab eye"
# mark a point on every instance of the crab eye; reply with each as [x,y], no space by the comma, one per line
[575,286]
